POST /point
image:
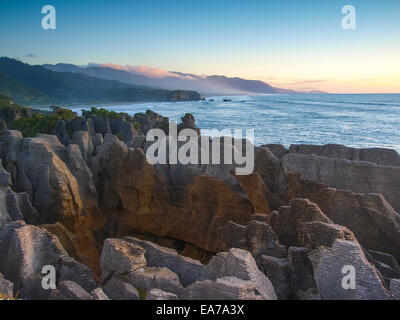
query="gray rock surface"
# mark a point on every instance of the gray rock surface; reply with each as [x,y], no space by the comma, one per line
[118,289]
[386,157]
[98,294]
[73,291]
[157,294]
[256,237]
[356,176]
[147,278]
[302,283]
[25,249]
[241,265]
[328,264]
[188,270]
[370,217]
[120,257]
[278,271]
[395,288]
[84,141]
[6,288]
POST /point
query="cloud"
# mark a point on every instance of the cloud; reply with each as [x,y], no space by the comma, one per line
[30,55]
[151,72]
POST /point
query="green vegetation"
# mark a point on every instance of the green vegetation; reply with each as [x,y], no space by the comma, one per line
[42,123]
[142,293]
[105,114]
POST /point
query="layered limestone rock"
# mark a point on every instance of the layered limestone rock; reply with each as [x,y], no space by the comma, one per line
[329,249]
[59,185]
[14,206]
[332,264]
[370,217]
[144,199]
[229,275]
[356,176]
[26,249]
[386,157]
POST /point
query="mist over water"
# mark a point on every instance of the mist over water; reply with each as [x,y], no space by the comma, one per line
[355,120]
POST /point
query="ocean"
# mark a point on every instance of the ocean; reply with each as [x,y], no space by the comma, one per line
[355,120]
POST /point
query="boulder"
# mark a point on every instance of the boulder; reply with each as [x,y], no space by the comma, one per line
[256,237]
[98,294]
[329,273]
[73,291]
[26,249]
[147,278]
[120,257]
[118,289]
[226,288]
[157,294]
[188,270]
[278,271]
[240,264]
[370,217]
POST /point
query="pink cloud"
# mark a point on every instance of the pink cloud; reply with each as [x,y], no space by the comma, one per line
[151,72]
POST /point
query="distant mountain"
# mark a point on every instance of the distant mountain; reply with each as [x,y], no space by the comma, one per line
[35,84]
[206,85]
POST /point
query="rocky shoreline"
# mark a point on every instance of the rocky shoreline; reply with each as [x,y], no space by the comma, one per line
[85,200]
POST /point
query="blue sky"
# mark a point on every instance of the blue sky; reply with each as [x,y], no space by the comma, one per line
[289,43]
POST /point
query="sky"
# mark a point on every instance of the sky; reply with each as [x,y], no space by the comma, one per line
[290,44]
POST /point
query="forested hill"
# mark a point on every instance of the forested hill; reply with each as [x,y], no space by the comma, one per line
[30,84]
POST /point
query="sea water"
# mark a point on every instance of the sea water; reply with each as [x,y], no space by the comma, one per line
[355,120]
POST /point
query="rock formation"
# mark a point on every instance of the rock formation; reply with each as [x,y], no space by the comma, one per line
[87,202]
